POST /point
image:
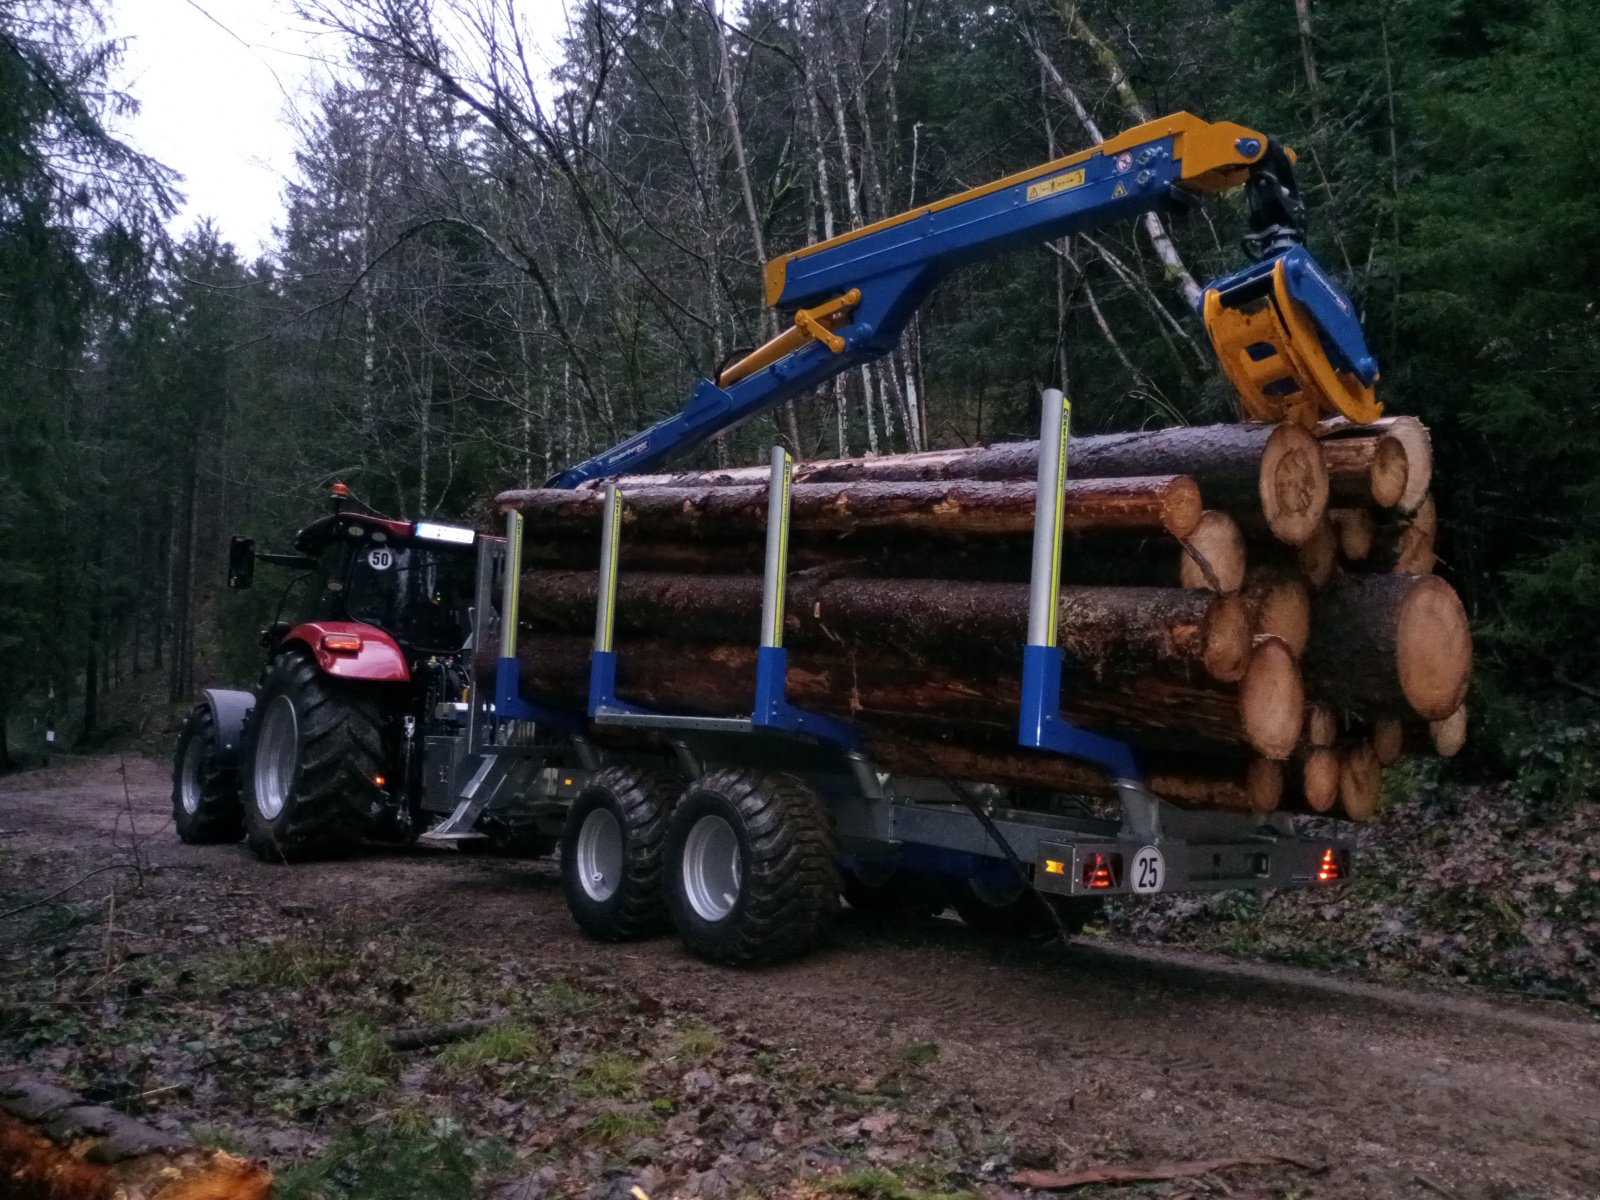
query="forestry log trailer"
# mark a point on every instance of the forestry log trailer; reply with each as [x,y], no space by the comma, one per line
[404,708]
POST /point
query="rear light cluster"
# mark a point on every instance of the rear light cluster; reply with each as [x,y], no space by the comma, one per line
[1331,867]
[1101,872]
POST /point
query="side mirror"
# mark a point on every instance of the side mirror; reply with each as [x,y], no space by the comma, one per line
[241,562]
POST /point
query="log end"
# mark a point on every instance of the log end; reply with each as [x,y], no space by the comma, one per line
[1272,699]
[1413,435]
[1293,484]
[1225,638]
[1356,530]
[1390,471]
[1360,782]
[1318,555]
[1322,725]
[1181,506]
[1263,785]
[1415,550]
[1319,779]
[1388,740]
[1433,648]
[1213,555]
[1450,734]
[1284,612]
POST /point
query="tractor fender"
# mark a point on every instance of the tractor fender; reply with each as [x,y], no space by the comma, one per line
[379,658]
[229,710]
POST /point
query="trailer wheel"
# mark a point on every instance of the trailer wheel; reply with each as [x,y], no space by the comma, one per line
[1006,907]
[611,854]
[313,754]
[752,874]
[205,796]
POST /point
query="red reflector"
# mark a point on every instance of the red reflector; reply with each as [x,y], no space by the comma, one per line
[1331,867]
[339,489]
[341,643]
[1097,872]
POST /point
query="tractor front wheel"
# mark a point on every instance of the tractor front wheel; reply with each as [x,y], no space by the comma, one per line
[205,795]
[313,758]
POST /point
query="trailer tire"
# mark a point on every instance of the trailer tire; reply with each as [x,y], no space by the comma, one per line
[752,868]
[1017,911]
[313,751]
[205,795]
[611,854]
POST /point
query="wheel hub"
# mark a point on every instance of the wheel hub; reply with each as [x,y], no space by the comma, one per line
[277,757]
[600,854]
[193,759]
[712,870]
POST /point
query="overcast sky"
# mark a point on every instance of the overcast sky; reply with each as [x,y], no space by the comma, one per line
[216,107]
[220,83]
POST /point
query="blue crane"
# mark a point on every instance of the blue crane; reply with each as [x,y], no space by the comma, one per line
[1284,332]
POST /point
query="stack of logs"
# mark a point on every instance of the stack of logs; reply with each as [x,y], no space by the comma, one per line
[1251,606]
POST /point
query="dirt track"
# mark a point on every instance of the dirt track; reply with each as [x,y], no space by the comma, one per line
[1103,1053]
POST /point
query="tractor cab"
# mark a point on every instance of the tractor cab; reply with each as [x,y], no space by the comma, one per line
[411,580]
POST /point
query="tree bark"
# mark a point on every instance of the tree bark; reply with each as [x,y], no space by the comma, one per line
[1107,633]
[1159,504]
[1354,530]
[1414,440]
[1360,782]
[1389,645]
[1214,555]
[1405,544]
[900,694]
[1279,605]
[1276,469]
[1366,470]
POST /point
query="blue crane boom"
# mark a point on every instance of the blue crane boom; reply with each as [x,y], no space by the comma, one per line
[1284,332]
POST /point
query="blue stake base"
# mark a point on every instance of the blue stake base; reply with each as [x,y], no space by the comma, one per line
[1042,726]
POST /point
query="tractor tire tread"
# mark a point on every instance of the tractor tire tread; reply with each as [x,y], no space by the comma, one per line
[219,817]
[341,753]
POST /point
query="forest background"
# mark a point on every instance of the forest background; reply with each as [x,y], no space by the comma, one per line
[483,274]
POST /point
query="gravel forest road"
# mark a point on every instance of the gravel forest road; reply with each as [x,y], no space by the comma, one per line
[1104,1052]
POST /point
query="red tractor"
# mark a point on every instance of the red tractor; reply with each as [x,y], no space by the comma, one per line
[325,750]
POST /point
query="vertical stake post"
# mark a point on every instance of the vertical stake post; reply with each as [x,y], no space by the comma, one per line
[772,579]
[603,662]
[1040,723]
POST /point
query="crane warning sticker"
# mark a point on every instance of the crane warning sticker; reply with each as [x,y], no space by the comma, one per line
[1049,187]
[380,558]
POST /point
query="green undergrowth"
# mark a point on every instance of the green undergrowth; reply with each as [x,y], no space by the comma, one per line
[389,1160]
[876,1183]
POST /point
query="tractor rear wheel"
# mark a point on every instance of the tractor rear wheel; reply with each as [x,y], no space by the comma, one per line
[312,758]
[752,870]
[205,795]
[611,853]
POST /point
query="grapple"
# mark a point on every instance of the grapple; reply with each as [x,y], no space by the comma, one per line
[1287,336]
